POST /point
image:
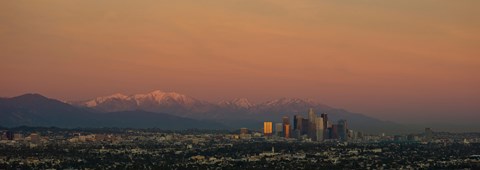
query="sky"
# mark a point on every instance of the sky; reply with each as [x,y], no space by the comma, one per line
[400,60]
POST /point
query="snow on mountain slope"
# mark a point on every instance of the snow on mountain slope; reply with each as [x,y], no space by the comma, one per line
[240,111]
[100,100]
[157,96]
[175,103]
[239,102]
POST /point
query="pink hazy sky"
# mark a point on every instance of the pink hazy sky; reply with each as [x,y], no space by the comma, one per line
[400,60]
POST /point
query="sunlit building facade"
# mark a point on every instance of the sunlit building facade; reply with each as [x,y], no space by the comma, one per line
[267,128]
[286,126]
[286,130]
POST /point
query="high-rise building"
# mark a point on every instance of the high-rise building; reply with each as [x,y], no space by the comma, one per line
[342,129]
[297,122]
[311,124]
[311,115]
[286,126]
[297,126]
[319,129]
[286,130]
[305,125]
[267,128]
[279,129]
[325,125]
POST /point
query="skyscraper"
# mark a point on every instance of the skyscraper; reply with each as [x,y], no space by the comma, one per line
[311,124]
[311,115]
[298,126]
[319,129]
[325,125]
[267,128]
[342,129]
[305,125]
[286,130]
[297,122]
[286,126]
[279,129]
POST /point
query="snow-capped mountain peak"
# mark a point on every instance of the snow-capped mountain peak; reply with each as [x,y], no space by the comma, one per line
[243,102]
[162,97]
[137,100]
[287,101]
[173,102]
[238,102]
[99,100]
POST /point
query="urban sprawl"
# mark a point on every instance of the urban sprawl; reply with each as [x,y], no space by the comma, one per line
[311,143]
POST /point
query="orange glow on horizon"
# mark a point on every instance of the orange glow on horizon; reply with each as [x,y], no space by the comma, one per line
[387,59]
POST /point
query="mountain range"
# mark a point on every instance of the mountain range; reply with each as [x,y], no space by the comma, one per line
[37,110]
[170,110]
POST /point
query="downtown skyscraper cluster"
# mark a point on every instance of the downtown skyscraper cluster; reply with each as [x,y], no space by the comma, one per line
[314,127]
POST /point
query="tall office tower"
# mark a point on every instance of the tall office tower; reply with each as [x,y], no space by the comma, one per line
[319,129]
[286,126]
[267,128]
[297,122]
[325,125]
[305,125]
[311,124]
[329,130]
[342,129]
[311,115]
[286,130]
[279,129]
[297,126]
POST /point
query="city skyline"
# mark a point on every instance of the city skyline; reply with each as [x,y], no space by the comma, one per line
[240,84]
[119,148]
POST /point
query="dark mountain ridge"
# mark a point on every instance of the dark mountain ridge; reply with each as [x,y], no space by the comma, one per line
[37,110]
